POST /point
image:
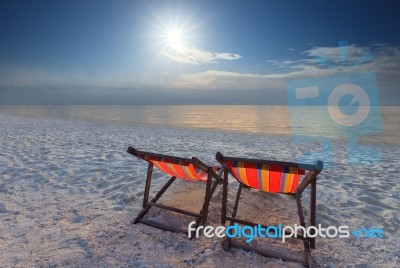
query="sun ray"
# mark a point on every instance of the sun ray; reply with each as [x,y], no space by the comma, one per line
[174,39]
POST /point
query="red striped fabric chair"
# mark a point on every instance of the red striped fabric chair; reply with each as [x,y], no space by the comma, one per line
[176,167]
[273,177]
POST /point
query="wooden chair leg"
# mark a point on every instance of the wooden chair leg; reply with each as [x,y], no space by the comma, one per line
[207,196]
[154,200]
[204,211]
[227,241]
[313,199]
[147,186]
[235,208]
[224,196]
[306,243]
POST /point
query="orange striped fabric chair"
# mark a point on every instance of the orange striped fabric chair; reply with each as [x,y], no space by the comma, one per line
[266,177]
[273,177]
[181,168]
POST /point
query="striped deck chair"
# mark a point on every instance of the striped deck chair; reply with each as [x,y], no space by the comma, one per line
[176,167]
[273,177]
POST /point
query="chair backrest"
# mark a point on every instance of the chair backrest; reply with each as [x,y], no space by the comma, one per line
[266,175]
[178,167]
[269,178]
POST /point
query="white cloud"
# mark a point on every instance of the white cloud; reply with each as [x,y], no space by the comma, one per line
[227,56]
[187,53]
[385,63]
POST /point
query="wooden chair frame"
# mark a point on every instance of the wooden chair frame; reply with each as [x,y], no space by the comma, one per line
[210,188]
[309,179]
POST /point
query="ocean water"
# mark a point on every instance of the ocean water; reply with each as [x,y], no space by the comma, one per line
[267,120]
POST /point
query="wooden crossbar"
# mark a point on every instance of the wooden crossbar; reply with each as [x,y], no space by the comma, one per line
[268,253]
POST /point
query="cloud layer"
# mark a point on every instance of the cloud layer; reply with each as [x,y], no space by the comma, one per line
[317,62]
[385,62]
[187,53]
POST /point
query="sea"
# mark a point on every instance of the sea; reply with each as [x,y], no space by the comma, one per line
[382,126]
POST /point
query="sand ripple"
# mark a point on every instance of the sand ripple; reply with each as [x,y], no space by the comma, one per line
[86,164]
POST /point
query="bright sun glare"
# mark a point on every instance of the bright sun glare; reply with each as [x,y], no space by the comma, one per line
[174,39]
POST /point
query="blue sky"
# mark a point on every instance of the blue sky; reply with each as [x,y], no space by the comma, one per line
[188,52]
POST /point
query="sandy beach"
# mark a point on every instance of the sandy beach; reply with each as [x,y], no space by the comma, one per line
[68,190]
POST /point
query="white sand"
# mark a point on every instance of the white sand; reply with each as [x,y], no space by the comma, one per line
[68,190]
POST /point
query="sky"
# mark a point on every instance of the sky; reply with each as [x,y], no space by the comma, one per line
[190,52]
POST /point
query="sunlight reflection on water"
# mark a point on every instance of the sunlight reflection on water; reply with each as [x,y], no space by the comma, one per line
[268,120]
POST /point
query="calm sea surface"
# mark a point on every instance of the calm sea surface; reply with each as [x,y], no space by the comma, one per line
[268,120]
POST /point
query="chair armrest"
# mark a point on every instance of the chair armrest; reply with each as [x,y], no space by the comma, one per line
[131,150]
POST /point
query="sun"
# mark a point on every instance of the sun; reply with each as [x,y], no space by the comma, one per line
[174,39]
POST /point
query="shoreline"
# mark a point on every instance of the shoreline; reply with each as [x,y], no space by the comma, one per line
[252,120]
